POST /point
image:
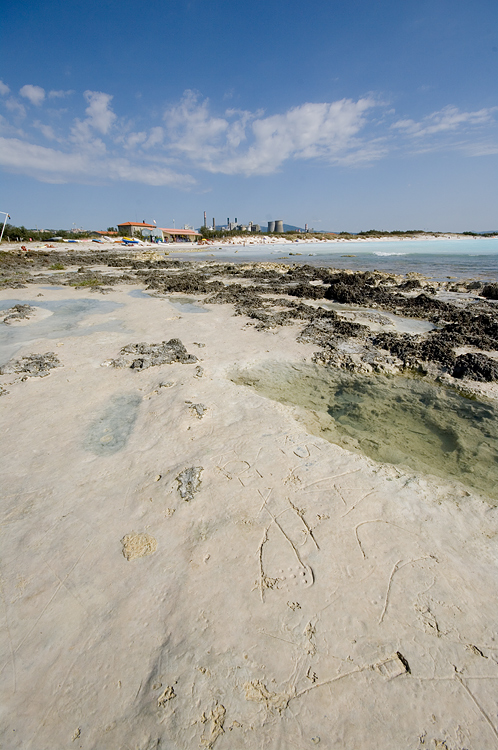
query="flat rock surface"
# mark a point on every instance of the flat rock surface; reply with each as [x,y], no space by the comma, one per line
[230,581]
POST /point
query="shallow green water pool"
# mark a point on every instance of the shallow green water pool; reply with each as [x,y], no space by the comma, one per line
[407,422]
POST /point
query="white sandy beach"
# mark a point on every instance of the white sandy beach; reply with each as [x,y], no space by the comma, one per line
[243,241]
[305,596]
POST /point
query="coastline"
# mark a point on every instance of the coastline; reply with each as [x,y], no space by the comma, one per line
[285,589]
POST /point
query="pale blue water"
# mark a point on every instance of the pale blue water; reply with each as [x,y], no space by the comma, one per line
[183,304]
[67,319]
[438,259]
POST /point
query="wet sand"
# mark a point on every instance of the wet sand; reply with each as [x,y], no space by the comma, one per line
[185,564]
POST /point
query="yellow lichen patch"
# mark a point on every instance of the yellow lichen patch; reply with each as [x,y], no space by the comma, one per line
[258,692]
[138,545]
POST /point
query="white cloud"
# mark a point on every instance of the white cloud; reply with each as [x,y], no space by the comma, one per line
[134,139]
[448,119]
[193,131]
[156,136]
[35,94]
[7,128]
[46,130]
[100,116]
[15,107]
[52,165]
[102,147]
[59,94]
[248,143]
[4,89]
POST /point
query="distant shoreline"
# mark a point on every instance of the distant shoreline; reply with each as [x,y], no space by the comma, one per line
[269,240]
[248,241]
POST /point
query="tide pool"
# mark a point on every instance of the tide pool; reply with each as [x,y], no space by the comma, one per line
[403,421]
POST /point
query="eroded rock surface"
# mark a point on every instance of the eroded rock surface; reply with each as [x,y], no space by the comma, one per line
[151,355]
[17,312]
[33,365]
[189,481]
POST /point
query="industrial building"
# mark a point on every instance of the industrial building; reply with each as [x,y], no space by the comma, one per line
[234,226]
[276,226]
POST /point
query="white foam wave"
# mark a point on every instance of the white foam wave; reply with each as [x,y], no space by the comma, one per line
[390,253]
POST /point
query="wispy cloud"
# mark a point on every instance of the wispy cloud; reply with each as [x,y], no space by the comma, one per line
[59,94]
[448,119]
[35,94]
[53,165]
[93,144]
[15,107]
[47,130]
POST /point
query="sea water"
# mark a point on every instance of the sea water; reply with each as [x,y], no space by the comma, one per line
[403,421]
[467,258]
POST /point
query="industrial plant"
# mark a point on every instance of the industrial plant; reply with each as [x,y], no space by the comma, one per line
[274,227]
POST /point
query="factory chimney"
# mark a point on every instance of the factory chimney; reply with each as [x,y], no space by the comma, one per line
[205,220]
[214,225]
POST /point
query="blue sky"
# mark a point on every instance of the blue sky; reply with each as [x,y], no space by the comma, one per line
[346,115]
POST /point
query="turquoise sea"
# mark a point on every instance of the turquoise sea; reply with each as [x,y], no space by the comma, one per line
[438,259]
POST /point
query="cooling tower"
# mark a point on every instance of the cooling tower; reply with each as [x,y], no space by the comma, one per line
[279,226]
[271,227]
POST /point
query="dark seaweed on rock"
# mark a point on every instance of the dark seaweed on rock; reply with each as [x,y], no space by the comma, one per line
[490,291]
[409,285]
[357,289]
[412,350]
[188,283]
[325,331]
[307,291]
[476,367]
[471,328]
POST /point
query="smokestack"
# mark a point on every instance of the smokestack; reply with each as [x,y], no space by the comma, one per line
[235,219]
[214,225]
[205,220]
